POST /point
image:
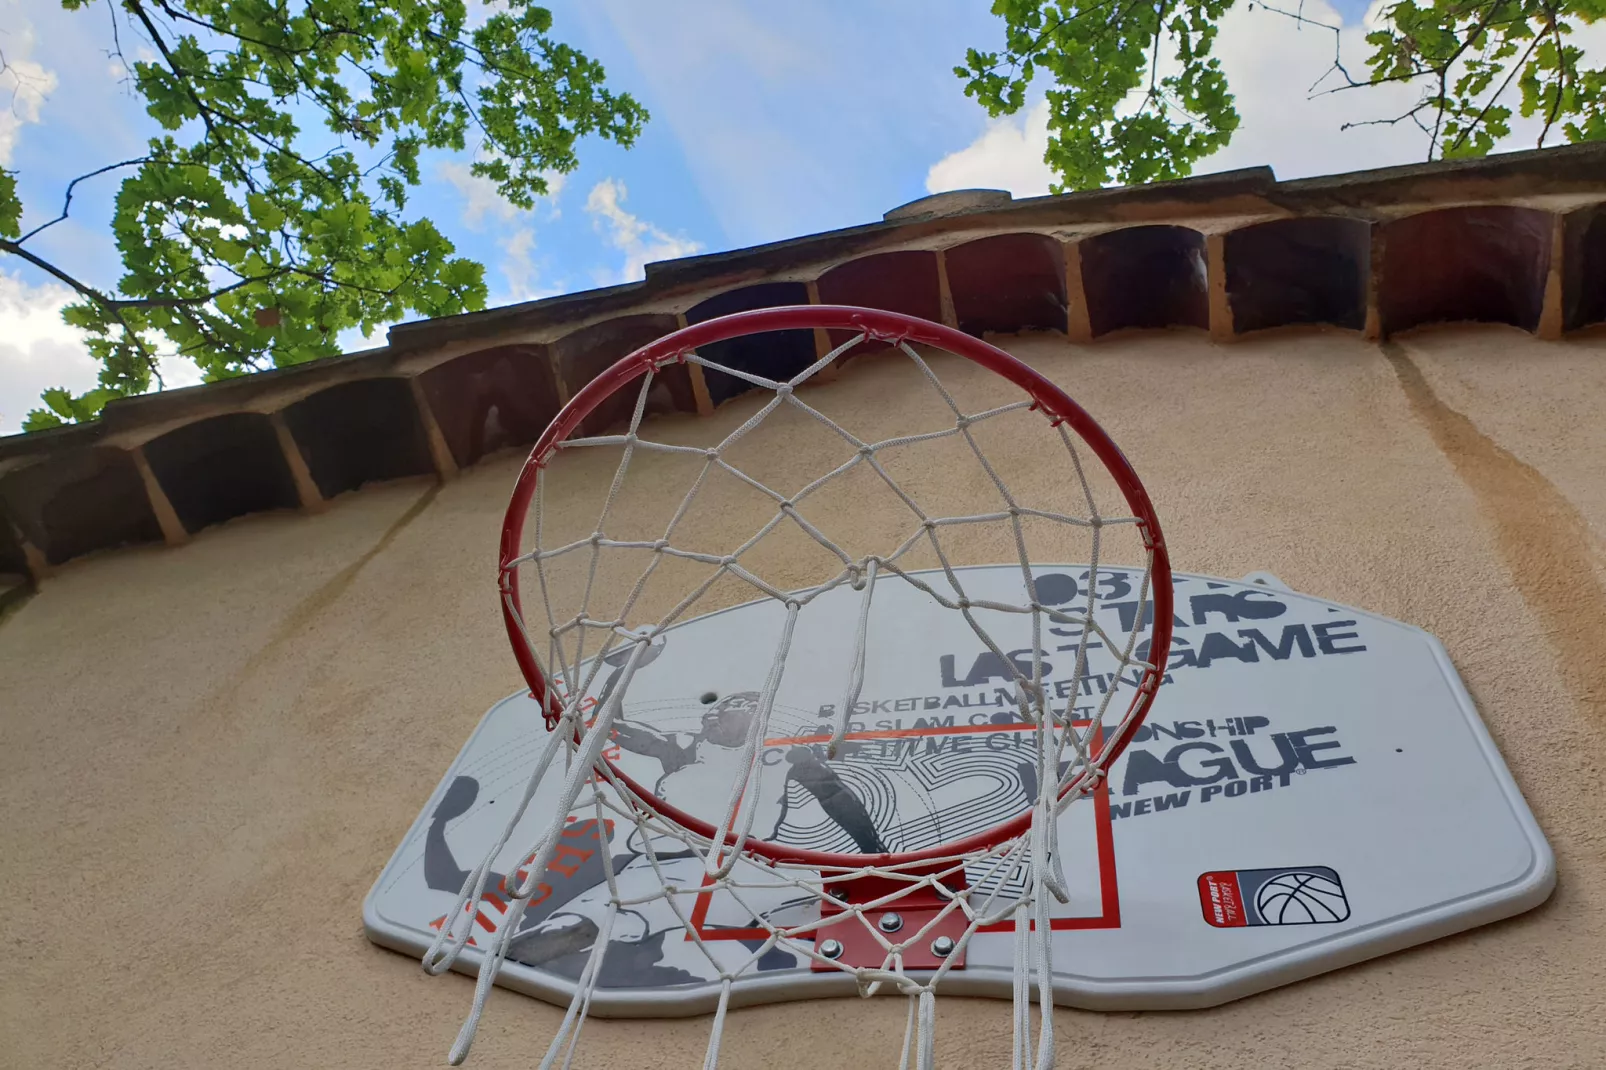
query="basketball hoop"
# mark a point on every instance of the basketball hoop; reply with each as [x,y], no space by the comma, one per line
[761,778]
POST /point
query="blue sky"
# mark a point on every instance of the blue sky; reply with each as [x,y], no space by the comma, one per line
[768,121]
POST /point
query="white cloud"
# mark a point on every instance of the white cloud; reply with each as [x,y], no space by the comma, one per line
[24,86]
[1008,155]
[521,271]
[640,241]
[37,350]
[1274,65]
[480,10]
[480,197]
[178,372]
[352,340]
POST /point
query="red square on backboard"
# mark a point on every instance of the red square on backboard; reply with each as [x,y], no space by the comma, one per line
[1221,899]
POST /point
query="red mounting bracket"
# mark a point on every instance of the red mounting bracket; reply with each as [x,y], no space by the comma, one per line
[851,944]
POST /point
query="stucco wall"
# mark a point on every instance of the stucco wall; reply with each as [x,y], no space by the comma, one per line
[207,753]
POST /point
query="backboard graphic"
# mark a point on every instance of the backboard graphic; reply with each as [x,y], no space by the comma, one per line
[1296,895]
[1313,787]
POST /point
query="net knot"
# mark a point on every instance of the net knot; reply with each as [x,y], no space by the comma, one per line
[1054,419]
[896,337]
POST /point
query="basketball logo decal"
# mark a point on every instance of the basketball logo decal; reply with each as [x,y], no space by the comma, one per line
[1292,895]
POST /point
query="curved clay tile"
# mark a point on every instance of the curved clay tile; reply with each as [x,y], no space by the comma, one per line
[490,399]
[1291,271]
[1008,283]
[779,355]
[73,504]
[359,432]
[1484,264]
[222,467]
[1150,276]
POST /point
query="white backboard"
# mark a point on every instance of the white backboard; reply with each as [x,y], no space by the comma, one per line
[1313,787]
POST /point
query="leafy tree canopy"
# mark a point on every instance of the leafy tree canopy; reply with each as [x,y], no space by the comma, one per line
[1135,93]
[247,241]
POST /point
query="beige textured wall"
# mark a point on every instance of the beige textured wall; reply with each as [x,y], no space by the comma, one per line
[207,754]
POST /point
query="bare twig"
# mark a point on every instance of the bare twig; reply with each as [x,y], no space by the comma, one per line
[66,201]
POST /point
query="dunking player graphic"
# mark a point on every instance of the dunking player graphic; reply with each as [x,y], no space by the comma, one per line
[918,798]
[712,757]
[558,928]
[638,951]
[694,762]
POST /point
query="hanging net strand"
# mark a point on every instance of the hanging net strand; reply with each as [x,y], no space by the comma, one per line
[593,635]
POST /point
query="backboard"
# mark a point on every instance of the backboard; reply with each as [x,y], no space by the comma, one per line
[1313,787]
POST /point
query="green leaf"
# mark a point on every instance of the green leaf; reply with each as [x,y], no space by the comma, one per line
[264,212]
[10,205]
[41,420]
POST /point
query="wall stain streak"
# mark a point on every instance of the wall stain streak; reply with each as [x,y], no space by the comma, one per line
[1543,541]
[13,598]
[307,610]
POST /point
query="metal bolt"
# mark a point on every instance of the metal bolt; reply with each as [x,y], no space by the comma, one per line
[942,947]
[831,949]
[890,923]
[839,894]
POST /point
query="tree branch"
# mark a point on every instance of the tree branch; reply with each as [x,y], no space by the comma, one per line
[1561,76]
[117,305]
[66,201]
[87,291]
[82,288]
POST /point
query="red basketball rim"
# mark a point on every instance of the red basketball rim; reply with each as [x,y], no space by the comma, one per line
[885,326]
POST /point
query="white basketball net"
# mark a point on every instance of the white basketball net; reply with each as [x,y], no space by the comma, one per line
[1010,882]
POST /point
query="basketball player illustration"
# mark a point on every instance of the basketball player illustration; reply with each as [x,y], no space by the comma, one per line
[558,932]
[695,763]
[692,764]
[712,758]
[810,801]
